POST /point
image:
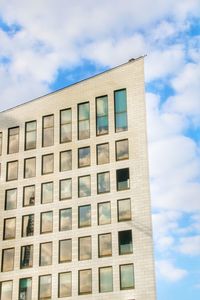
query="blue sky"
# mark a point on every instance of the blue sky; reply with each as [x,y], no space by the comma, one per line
[45,48]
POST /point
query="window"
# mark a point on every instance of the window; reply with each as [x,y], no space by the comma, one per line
[64,284]
[84,186]
[101,115]
[65,160]
[83,121]
[9,228]
[6,288]
[47,164]
[30,167]
[13,140]
[45,287]
[83,157]
[122,151]
[46,254]
[105,279]
[7,259]
[28,225]
[125,242]
[120,111]
[104,213]
[124,210]
[47,192]
[65,125]
[1,144]
[25,289]
[46,222]
[48,131]
[103,182]
[65,220]
[29,195]
[11,199]
[126,276]
[123,179]
[12,170]
[103,154]
[84,216]
[26,257]
[105,244]
[65,250]
[85,248]
[65,189]
[85,282]
[30,135]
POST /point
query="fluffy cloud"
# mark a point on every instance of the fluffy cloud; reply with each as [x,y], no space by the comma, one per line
[190,245]
[167,270]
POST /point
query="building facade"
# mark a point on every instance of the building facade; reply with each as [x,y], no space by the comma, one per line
[75,218]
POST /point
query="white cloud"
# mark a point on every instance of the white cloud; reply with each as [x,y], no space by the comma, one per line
[168,271]
[190,245]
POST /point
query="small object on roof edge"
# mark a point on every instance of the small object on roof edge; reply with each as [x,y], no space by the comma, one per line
[131,59]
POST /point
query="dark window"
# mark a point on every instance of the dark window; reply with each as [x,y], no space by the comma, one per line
[123,179]
[125,242]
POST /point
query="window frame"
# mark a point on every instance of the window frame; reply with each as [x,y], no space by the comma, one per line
[26,132]
[106,115]
[65,123]
[78,119]
[43,130]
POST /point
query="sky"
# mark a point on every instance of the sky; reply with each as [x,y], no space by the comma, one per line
[46,45]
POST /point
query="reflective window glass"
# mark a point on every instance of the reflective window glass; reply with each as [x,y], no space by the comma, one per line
[30,135]
[65,250]
[28,225]
[65,160]
[85,248]
[101,115]
[46,254]
[9,228]
[103,182]
[125,242]
[103,154]
[48,131]
[65,125]
[6,288]
[105,279]
[124,209]
[65,284]
[84,216]
[25,289]
[47,192]
[83,157]
[105,244]
[122,151]
[123,179]
[1,144]
[29,195]
[65,189]
[47,164]
[12,170]
[65,222]
[11,199]
[85,282]
[126,276]
[46,222]
[83,121]
[84,186]
[8,259]
[26,257]
[30,167]
[120,110]
[13,140]
[45,287]
[104,213]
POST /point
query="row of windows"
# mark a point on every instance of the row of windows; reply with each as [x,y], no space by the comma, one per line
[65,219]
[66,124]
[65,283]
[84,160]
[65,188]
[125,246]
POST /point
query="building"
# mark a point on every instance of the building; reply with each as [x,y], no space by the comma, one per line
[75,217]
